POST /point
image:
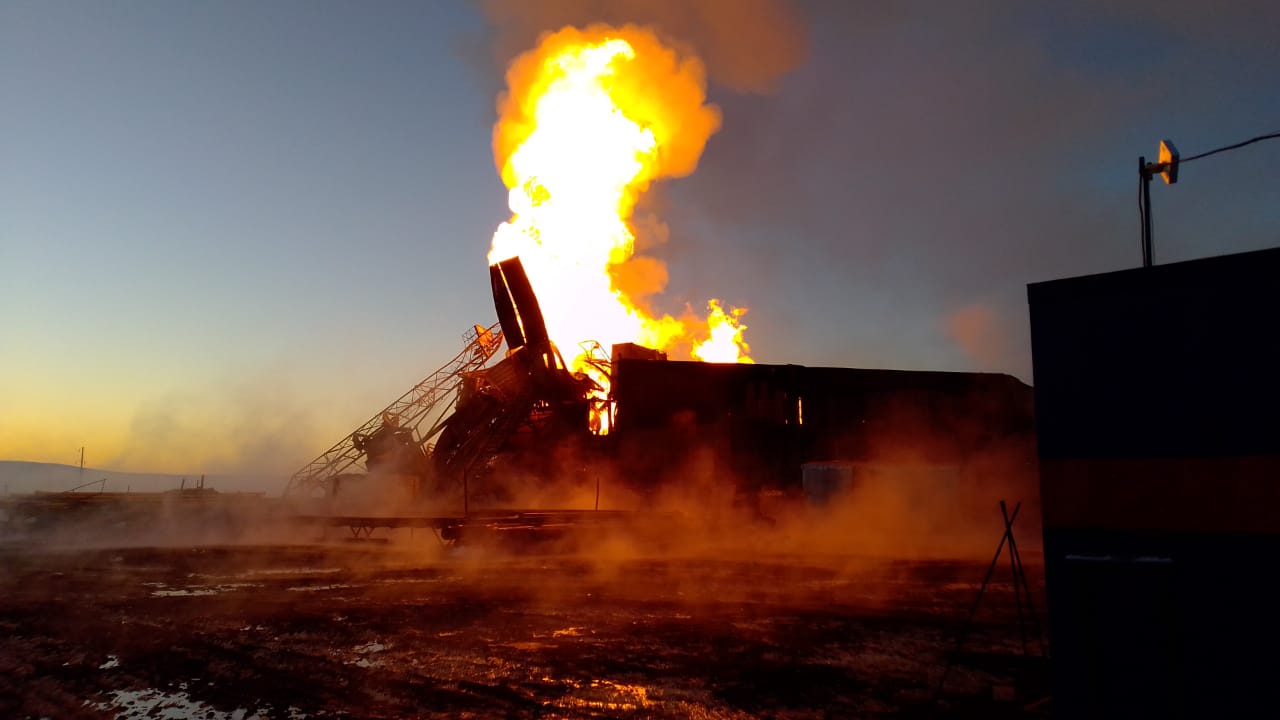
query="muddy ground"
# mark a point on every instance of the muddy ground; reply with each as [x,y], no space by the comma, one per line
[407,630]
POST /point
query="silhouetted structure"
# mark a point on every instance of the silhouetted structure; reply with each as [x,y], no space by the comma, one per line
[1156,398]
[529,419]
[758,424]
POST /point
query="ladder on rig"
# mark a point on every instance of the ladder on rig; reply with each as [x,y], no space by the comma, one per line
[424,408]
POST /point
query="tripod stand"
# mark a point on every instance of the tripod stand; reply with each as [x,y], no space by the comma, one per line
[1021,594]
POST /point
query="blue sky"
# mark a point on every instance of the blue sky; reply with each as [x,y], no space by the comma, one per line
[230,232]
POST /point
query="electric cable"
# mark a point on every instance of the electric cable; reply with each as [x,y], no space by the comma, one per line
[1250,141]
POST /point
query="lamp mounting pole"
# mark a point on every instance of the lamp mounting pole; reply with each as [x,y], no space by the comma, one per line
[1144,173]
[1166,166]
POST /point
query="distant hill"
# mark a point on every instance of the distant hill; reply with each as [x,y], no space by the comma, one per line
[19,477]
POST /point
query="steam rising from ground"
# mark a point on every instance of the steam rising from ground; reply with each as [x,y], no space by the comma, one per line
[173,519]
[699,542]
[893,511]
[907,511]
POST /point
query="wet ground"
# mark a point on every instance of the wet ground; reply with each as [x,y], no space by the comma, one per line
[404,631]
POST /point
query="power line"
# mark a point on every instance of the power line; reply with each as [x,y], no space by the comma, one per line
[1250,141]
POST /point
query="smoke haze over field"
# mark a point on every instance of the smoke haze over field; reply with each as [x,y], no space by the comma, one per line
[26,477]
[303,196]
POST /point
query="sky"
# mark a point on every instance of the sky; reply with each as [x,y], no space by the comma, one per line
[231,232]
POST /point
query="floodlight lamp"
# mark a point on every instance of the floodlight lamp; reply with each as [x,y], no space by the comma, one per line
[1168,162]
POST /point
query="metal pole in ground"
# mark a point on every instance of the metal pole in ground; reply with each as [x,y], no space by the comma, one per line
[1144,177]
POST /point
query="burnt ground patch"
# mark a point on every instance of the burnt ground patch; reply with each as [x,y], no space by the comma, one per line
[379,632]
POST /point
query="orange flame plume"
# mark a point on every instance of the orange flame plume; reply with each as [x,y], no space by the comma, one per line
[590,118]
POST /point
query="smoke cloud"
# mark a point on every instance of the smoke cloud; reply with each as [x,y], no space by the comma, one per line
[747,45]
[978,331]
[244,426]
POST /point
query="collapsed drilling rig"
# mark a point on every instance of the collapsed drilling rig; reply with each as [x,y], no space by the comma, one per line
[444,434]
[397,440]
[469,433]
